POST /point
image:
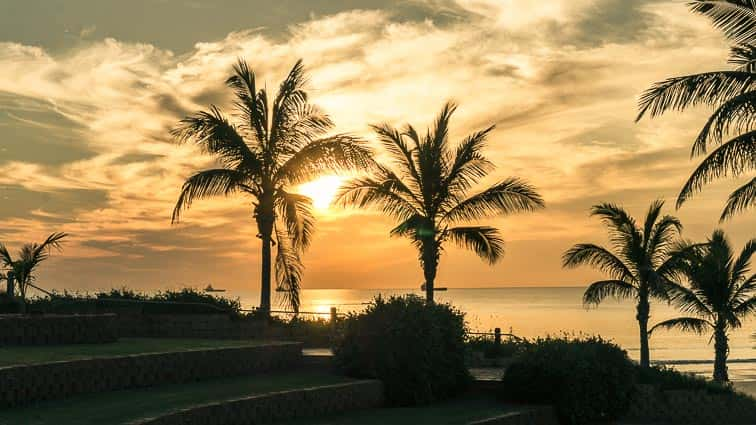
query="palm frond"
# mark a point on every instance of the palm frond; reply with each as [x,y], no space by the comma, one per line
[599,291]
[735,116]
[405,157]
[685,324]
[688,300]
[210,183]
[290,98]
[735,18]
[598,257]
[388,194]
[5,256]
[649,224]
[730,159]
[663,238]
[741,199]
[678,93]
[623,232]
[296,212]
[289,271]
[741,266]
[745,308]
[485,241]
[338,153]
[468,165]
[743,56]
[217,136]
[245,87]
[507,197]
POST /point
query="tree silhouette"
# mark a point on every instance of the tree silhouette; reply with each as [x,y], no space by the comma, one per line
[29,258]
[639,265]
[731,92]
[427,192]
[274,145]
[720,295]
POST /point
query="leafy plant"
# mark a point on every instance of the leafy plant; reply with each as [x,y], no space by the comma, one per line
[276,144]
[722,294]
[638,266]
[427,193]
[29,258]
[417,349]
[588,380]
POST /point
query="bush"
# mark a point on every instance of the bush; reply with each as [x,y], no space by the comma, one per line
[489,349]
[9,304]
[588,380]
[416,349]
[668,379]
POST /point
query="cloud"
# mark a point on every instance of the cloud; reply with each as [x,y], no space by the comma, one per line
[560,80]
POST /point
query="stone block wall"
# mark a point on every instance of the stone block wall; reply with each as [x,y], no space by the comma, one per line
[651,405]
[48,329]
[272,407]
[25,384]
[219,326]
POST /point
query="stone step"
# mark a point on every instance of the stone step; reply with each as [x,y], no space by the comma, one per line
[29,383]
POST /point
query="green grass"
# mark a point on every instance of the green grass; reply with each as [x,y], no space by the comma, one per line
[456,411]
[120,407]
[124,346]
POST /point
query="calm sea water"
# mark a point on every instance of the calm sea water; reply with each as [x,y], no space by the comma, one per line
[533,312]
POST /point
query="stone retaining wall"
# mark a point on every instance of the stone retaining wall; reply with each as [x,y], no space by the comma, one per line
[216,326]
[541,415]
[267,408]
[24,384]
[690,407]
[16,329]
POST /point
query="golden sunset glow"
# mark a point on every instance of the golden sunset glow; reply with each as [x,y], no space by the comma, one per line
[322,191]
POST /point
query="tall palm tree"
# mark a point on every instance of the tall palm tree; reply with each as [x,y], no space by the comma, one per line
[638,266]
[273,146]
[732,92]
[720,296]
[427,193]
[29,258]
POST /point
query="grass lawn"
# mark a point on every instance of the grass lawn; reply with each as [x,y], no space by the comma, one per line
[456,411]
[124,346]
[119,407]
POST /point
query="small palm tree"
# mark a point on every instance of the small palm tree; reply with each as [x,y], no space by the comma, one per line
[720,296]
[29,258]
[428,193]
[640,265]
[274,146]
[732,92]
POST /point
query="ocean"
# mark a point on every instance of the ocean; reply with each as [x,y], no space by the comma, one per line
[533,312]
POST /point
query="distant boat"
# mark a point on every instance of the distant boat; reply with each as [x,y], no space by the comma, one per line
[422,288]
[210,288]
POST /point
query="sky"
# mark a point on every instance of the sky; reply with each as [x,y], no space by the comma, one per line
[90,89]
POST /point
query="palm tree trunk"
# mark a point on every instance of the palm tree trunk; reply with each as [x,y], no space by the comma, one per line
[721,347]
[265,218]
[430,266]
[642,315]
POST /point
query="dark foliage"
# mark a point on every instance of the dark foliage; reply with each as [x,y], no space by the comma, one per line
[487,346]
[588,380]
[124,300]
[667,379]
[416,349]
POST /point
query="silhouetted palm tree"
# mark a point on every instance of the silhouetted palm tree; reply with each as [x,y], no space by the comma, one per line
[731,92]
[721,294]
[428,192]
[274,146]
[29,258]
[640,265]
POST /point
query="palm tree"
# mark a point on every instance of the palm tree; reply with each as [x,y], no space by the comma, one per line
[29,258]
[428,193]
[273,146]
[640,265]
[731,92]
[720,296]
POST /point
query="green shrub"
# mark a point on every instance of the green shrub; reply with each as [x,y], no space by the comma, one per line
[416,349]
[588,380]
[487,346]
[669,379]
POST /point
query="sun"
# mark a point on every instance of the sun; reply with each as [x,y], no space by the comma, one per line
[322,190]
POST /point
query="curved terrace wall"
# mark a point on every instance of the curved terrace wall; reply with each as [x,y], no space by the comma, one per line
[48,329]
[27,383]
[267,408]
